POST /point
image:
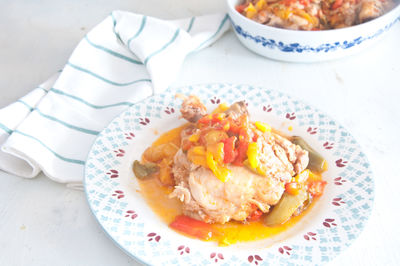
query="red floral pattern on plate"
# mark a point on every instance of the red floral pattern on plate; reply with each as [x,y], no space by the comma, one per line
[312,130]
[254,258]
[328,145]
[215,100]
[132,214]
[169,110]
[329,222]
[339,181]
[291,116]
[341,163]
[113,173]
[285,250]
[216,256]
[144,121]
[338,202]
[153,236]
[182,249]
[129,135]
[119,194]
[310,236]
[119,152]
[267,108]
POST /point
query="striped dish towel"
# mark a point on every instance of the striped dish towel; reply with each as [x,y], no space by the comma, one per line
[125,59]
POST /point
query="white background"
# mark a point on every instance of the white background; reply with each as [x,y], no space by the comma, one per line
[45,223]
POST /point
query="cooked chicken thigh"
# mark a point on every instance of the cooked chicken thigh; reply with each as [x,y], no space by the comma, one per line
[207,198]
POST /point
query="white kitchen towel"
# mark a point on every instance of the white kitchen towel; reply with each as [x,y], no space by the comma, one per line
[125,59]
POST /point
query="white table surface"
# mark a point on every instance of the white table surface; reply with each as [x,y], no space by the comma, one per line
[45,223]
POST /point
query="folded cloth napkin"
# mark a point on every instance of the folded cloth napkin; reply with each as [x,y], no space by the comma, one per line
[125,59]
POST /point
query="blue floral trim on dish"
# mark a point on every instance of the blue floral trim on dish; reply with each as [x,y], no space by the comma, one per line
[298,48]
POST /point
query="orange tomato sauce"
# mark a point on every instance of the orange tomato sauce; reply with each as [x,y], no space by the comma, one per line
[156,195]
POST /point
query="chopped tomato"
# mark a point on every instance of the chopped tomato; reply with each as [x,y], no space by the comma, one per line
[205,119]
[223,125]
[218,117]
[304,2]
[288,2]
[292,188]
[241,8]
[255,216]
[316,188]
[337,4]
[186,144]
[242,152]
[192,227]
[230,152]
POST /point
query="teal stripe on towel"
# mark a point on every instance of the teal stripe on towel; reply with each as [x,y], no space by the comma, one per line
[115,24]
[191,24]
[83,130]
[104,79]
[50,150]
[144,19]
[90,104]
[111,52]
[162,48]
[27,105]
[215,34]
[6,129]
[43,89]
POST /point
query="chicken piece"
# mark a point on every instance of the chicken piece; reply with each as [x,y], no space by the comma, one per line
[192,108]
[369,10]
[273,163]
[206,198]
[236,110]
[294,154]
[302,160]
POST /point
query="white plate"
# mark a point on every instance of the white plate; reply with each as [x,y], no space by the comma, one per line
[333,223]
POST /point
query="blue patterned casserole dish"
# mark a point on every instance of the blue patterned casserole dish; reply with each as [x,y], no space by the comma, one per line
[308,46]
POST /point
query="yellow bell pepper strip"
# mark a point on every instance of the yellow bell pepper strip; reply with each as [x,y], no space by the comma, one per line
[311,19]
[199,150]
[197,155]
[292,188]
[301,177]
[217,151]
[263,127]
[220,172]
[221,108]
[261,4]
[252,155]
[251,11]
[194,137]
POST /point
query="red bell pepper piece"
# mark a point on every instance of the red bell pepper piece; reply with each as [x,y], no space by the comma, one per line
[255,216]
[337,4]
[316,188]
[230,152]
[192,227]
[242,152]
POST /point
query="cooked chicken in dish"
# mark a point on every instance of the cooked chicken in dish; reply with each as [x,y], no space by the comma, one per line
[313,14]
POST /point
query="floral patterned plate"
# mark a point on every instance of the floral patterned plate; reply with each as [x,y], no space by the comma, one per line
[332,224]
